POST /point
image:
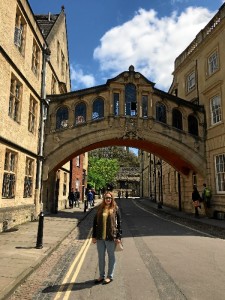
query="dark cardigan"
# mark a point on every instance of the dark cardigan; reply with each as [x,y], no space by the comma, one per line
[113,226]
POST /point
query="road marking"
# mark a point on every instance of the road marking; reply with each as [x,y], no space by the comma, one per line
[185,226]
[82,254]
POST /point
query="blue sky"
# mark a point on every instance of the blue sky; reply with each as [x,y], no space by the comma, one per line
[106,37]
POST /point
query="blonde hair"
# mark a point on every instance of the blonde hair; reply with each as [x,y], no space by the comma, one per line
[111,207]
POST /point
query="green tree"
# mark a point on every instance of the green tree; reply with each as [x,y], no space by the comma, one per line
[123,155]
[102,171]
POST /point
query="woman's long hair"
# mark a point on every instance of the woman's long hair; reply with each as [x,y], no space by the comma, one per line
[111,207]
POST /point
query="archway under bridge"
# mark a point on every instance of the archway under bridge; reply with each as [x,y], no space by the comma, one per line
[126,111]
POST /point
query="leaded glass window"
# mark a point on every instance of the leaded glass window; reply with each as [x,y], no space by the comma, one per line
[215,110]
[98,109]
[160,112]
[62,116]
[80,113]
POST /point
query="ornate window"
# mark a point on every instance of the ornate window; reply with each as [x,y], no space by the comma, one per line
[80,113]
[160,112]
[15,99]
[116,98]
[192,125]
[177,119]
[220,172]
[32,115]
[130,100]
[28,179]
[62,116]
[144,106]
[98,109]
[9,177]
[20,32]
[216,115]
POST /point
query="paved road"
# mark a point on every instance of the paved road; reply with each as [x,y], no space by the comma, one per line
[161,260]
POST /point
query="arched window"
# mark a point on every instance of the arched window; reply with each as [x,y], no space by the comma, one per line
[98,109]
[192,125]
[80,113]
[160,112]
[177,119]
[62,116]
[130,100]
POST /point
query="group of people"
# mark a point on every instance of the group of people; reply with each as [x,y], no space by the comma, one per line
[205,198]
[74,198]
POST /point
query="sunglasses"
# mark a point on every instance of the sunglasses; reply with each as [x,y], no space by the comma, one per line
[108,198]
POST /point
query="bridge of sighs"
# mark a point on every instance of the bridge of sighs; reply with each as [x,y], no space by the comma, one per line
[127,110]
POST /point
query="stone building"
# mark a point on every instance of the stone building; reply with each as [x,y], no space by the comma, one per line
[34,62]
[199,78]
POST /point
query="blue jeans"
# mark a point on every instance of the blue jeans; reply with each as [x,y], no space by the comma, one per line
[102,246]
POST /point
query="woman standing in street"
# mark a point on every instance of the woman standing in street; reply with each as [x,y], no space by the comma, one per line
[106,233]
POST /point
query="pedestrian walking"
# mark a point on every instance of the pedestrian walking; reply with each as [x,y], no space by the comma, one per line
[196,198]
[126,195]
[89,198]
[71,198]
[206,197]
[107,233]
[119,194]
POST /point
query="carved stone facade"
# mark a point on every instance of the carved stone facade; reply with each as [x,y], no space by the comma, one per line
[26,76]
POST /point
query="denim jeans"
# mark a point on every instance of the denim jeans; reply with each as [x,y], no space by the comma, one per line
[102,247]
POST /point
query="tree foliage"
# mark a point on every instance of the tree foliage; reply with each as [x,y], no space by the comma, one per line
[102,171]
[125,157]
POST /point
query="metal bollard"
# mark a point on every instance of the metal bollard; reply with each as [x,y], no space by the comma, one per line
[39,244]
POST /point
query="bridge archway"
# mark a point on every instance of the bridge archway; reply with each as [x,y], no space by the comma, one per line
[141,117]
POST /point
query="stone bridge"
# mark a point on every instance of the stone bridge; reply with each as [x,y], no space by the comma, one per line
[126,111]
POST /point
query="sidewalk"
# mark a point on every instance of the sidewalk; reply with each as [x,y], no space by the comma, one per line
[18,254]
[202,219]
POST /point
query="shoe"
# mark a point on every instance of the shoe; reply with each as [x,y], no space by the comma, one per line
[98,281]
[107,280]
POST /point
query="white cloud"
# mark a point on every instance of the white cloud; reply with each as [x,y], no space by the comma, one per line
[79,79]
[150,43]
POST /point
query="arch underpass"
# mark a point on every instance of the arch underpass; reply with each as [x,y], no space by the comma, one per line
[126,111]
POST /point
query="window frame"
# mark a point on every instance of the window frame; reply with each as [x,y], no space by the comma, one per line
[20,32]
[28,178]
[191,81]
[15,99]
[9,175]
[214,112]
[219,162]
[213,63]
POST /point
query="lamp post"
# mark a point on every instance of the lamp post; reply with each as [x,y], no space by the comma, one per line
[43,115]
[158,166]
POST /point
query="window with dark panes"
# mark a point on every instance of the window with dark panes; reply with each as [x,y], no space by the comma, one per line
[98,109]
[177,120]
[28,179]
[144,106]
[116,99]
[15,99]
[160,112]
[9,176]
[62,116]
[130,100]
[35,65]
[192,125]
[80,113]
[216,115]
